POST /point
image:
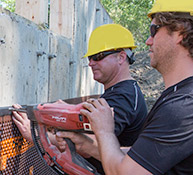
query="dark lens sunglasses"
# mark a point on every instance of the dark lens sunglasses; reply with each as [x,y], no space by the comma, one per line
[154,29]
[102,55]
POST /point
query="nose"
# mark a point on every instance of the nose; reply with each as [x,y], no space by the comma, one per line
[149,41]
[91,62]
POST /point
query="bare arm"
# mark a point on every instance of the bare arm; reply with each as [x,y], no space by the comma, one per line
[114,160]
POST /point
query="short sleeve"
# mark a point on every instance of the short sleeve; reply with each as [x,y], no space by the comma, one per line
[170,131]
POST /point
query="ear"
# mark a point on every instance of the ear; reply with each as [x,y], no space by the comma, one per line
[122,56]
[179,37]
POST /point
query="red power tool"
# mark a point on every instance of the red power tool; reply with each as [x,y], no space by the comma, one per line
[65,117]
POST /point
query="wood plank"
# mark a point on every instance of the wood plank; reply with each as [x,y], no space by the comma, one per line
[62,17]
[78,100]
[34,10]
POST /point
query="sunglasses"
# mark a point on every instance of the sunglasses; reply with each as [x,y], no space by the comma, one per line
[102,55]
[154,29]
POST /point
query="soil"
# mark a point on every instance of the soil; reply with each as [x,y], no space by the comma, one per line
[149,79]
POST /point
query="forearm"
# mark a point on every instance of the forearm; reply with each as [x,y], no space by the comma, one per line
[110,153]
[91,147]
[115,160]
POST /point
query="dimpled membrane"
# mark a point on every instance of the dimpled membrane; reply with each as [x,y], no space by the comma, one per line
[17,155]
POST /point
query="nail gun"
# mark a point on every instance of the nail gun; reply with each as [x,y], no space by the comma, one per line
[65,117]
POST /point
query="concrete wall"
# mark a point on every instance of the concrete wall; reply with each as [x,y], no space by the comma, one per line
[37,65]
[88,15]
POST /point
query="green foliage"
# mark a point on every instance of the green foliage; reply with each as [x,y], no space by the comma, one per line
[8,4]
[131,14]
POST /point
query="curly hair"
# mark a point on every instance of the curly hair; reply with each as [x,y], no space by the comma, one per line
[177,21]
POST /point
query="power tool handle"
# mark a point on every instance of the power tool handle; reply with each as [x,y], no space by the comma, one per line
[79,160]
[71,145]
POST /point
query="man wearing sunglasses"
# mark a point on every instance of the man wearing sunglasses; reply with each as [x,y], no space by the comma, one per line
[165,145]
[110,55]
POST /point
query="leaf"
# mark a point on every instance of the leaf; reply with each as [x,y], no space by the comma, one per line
[131,14]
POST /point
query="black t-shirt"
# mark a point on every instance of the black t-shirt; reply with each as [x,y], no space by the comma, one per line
[165,146]
[130,113]
[129,110]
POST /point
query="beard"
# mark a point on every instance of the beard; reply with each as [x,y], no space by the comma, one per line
[163,58]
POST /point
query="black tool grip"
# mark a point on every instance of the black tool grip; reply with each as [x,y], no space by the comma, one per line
[78,159]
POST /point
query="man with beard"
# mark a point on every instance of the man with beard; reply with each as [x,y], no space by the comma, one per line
[165,143]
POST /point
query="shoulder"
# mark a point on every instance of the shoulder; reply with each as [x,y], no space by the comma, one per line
[124,88]
[174,112]
[126,100]
[123,92]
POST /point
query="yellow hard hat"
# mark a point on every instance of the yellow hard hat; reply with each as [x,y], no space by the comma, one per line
[108,37]
[172,6]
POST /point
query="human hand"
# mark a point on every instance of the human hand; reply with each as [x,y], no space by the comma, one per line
[22,122]
[100,116]
[83,143]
